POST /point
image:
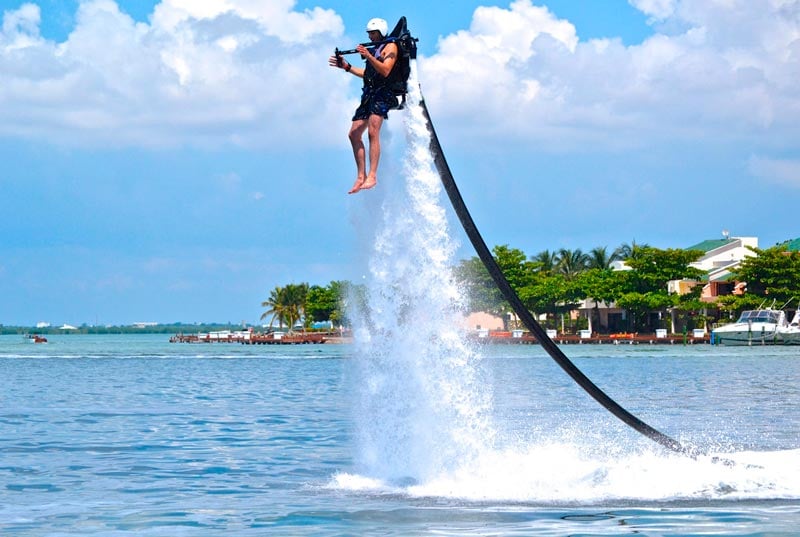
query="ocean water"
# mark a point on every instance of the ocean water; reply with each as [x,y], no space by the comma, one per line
[118,435]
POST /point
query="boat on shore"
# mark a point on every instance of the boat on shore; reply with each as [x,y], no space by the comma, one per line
[754,327]
[790,334]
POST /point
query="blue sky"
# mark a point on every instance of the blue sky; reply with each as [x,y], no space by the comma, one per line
[176,160]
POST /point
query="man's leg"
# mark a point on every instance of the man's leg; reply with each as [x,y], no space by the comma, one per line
[356,135]
[374,133]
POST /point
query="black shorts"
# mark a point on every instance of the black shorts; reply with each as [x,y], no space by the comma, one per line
[376,101]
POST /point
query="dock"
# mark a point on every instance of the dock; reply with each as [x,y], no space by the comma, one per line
[490,338]
[509,338]
[256,338]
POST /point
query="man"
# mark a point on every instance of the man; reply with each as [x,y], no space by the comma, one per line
[377,98]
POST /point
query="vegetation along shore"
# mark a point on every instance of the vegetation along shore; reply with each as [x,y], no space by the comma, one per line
[566,289]
[647,288]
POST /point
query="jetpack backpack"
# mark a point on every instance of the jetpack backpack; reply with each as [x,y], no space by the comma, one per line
[407,51]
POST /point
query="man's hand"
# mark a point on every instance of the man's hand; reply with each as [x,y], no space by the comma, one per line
[338,61]
[364,51]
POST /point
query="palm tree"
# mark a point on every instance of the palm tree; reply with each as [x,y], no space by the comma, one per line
[546,261]
[295,300]
[625,251]
[598,258]
[276,306]
[286,304]
[571,262]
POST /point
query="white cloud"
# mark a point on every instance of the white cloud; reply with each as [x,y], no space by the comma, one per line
[657,9]
[489,65]
[720,70]
[784,172]
[199,72]
[254,73]
[21,27]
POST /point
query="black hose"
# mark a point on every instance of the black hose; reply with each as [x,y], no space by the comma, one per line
[522,312]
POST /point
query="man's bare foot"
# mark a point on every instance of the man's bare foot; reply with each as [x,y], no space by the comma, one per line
[358,185]
[369,182]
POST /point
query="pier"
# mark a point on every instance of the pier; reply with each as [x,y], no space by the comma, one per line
[255,338]
[490,338]
[511,338]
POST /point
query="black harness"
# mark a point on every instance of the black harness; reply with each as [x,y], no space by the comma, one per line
[395,83]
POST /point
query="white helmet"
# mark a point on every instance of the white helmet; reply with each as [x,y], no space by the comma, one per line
[378,24]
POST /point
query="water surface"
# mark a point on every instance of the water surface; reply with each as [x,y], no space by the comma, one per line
[115,435]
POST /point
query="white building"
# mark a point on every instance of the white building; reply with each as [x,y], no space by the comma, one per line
[719,261]
[723,255]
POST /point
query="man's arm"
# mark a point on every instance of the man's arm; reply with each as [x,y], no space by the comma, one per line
[389,58]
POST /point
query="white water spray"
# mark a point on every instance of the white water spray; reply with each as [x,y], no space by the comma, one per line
[422,406]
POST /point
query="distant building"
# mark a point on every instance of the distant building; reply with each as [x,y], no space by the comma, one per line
[720,261]
[483,321]
[602,316]
[723,255]
[42,324]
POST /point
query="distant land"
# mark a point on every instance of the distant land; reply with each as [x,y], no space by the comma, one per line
[136,328]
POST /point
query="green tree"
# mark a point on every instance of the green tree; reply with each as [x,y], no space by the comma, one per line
[514,265]
[645,286]
[352,303]
[479,287]
[544,295]
[286,304]
[774,274]
[691,310]
[340,289]
[321,303]
[639,305]
[600,285]
[732,305]
[551,294]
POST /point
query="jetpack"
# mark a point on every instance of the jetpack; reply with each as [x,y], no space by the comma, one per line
[407,47]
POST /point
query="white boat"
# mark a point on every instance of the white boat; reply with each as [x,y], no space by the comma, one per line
[790,334]
[754,327]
